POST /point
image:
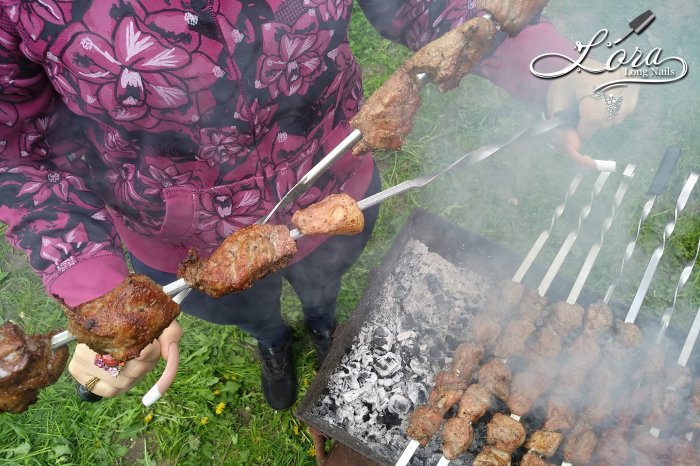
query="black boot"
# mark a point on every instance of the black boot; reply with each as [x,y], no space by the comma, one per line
[322,340]
[279,381]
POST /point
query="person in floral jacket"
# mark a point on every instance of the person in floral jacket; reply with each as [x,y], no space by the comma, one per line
[156,126]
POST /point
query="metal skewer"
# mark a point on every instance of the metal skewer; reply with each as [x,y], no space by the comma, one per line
[571,238]
[658,186]
[656,256]
[682,280]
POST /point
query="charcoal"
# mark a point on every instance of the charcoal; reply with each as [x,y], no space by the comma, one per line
[425,305]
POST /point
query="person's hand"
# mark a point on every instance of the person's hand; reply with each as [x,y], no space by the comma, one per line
[82,366]
[576,89]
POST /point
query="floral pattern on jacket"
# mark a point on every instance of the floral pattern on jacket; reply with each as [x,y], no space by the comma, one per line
[109,105]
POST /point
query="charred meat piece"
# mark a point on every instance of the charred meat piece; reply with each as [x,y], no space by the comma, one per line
[611,449]
[14,356]
[495,376]
[579,445]
[503,299]
[561,413]
[484,329]
[43,368]
[628,334]
[653,447]
[547,346]
[513,340]
[678,377]
[423,423]
[532,459]
[505,433]
[566,317]
[387,116]
[583,354]
[528,386]
[337,214]
[248,254]
[682,453]
[457,436]
[654,362]
[544,443]
[491,456]
[513,15]
[531,306]
[17,401]
[453,55]
[466,358]
[447,391]
[474,403]
[598,320]
[125,320]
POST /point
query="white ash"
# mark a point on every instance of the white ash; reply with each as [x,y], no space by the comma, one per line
[417,322]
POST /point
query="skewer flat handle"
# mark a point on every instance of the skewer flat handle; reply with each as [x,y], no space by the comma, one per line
[443,461]
[663,173]
[408,453]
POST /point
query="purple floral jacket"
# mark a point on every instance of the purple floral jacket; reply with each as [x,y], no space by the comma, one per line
[165,124]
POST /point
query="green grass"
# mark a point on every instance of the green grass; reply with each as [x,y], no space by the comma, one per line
[509,198]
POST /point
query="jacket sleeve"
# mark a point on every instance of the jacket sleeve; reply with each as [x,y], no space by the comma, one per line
[45,196]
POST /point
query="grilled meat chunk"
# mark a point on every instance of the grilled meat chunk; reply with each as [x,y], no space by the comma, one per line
[387,116]
[531,459]
[337,214]
[579,445]
[423,423]
[561,413]
[599,319]
[528,386]
[628,334]
[547,346]
[682,453]
[474,403]
[491,456]
[544,443]
[513,15]
[457,436]
[14,356]
[466,358]
[611,449]
[453,55]
[248,254]
[505,433]
[583,354]
[565,317]
[653,447]
[503,299]
[513,340]
[125,320]
[43,368]
[484,329]
[531,306]
[495,376]
[447,391]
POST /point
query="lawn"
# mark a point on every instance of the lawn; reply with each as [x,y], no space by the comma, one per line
[215,414]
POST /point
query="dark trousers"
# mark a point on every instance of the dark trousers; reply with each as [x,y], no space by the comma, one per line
[315,279]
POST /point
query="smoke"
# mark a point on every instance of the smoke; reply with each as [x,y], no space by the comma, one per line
[512,197]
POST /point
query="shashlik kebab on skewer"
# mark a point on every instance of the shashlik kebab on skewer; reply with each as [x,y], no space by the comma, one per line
[128,318]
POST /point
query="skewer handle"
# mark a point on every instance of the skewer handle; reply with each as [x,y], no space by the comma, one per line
[408,453]
[443,461]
